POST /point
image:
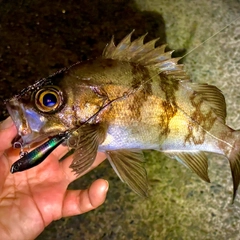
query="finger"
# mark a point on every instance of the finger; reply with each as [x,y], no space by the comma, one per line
[7,132]
[81,201]
[60,151]
[70,175]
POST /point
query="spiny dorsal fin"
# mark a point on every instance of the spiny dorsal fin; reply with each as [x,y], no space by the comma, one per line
[146,55]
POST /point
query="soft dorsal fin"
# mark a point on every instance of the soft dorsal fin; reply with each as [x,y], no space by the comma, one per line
[213,97]
[146,55]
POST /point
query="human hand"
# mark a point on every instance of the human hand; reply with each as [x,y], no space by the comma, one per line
[32,199]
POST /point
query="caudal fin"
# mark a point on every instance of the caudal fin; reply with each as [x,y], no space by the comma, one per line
[234,160]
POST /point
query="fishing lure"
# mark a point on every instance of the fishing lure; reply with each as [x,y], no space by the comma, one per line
[38,155]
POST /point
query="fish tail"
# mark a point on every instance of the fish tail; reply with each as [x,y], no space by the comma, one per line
[234,160]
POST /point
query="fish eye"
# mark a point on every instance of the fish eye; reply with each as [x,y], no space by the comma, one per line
[48,99]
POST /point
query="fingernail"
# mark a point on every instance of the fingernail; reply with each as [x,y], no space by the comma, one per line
[7,123]
[107,187]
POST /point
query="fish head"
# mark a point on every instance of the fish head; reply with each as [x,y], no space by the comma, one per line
[34,114]
[51,106]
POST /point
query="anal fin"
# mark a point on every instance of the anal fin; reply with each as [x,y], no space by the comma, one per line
[196,161]
[128,164]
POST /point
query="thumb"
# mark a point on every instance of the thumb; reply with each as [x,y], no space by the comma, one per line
[81,201]
[7,132]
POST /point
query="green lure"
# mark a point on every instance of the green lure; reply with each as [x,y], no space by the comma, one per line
[37,155]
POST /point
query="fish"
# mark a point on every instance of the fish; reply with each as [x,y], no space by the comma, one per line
[134,97]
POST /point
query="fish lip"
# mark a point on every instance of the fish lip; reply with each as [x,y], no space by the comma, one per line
[24,123]
[16,112]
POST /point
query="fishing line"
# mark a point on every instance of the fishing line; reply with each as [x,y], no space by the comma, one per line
[209,38]
[140,87]
[179,58]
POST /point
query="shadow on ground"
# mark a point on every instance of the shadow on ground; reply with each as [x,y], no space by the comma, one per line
[40,37]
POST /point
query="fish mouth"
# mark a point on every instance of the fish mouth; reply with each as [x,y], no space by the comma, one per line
[27,121]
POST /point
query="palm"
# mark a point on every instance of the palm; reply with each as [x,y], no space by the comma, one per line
[38,196]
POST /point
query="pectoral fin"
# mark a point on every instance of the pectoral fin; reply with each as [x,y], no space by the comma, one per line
[86,140]
[129,167]
[196,161]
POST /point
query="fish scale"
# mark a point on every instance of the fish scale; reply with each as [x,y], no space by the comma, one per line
[134,97]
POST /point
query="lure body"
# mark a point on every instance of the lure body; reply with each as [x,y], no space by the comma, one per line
[37,155]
